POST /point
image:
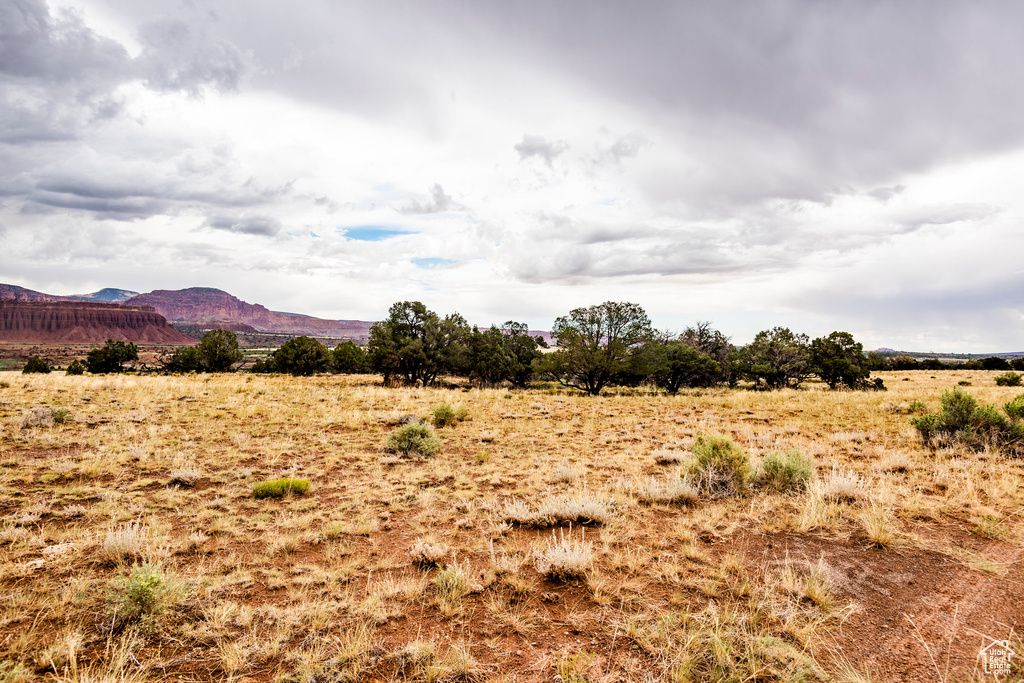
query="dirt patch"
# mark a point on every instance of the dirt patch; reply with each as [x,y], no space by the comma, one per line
[919,614]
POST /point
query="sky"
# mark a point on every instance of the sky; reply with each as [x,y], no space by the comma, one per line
[821,166]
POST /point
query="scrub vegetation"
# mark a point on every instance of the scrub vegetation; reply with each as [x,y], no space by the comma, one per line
[277,528]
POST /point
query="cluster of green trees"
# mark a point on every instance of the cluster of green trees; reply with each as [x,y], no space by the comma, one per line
[111,357]
[612,343]
[414,345]
[877,361]
[217,351]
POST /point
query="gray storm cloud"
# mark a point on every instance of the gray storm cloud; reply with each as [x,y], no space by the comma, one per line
[586,142]
[536,146]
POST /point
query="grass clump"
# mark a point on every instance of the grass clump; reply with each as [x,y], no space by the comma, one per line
[839,486]
[580,508]
[124,542]
[789,471]
[42,416]
[451,585]
[445,415]
[428,554]
[719,466]
[962,421]
[564,557]
[1008,379]
[279,488]
[418,439]
[672,490]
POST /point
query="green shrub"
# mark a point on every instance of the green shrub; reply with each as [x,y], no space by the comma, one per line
[264,366]
[789,471]
[111,357]
[60,416]
[302,356]
[185,359]
[138,598]
[918,407]
[415,438]
[961,420]
[1015,408]
[719,466]
[76,368]
[36,364]
[445,415]
[279,488]
[1008,379]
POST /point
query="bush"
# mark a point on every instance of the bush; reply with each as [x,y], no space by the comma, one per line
[60,416]
[76,368]
[1008,379]
[218,350]
[184,359]
[111,356]
[349,358]
[918,407]
[416,438]
[36,364]
[139,597]
[264,366]
[719,466]
[840,361]
[963,421]
[789,471]
[302,356]
[279,488]
[445,415]
[1015,408]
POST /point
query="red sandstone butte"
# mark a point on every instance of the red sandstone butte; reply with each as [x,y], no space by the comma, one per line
[79,322]
[208,308]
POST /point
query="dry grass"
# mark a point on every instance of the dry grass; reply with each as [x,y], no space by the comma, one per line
[443,568]
[564,557]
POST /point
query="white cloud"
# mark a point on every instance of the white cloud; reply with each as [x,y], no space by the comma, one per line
[755,168]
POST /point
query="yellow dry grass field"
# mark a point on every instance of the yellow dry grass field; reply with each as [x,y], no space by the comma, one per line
[553,536]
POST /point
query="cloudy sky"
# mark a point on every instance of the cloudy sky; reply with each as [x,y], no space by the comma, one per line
[818,165]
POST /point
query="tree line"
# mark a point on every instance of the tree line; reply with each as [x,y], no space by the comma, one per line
[598,346]
[612,343]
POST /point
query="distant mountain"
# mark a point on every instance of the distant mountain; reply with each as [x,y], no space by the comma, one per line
[21,294]
[208,308]
[104,296]
[108,295]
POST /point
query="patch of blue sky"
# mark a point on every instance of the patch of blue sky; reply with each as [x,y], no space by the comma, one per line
[371,233]
[433,262]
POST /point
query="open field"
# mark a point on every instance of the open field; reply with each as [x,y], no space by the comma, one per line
[132,547]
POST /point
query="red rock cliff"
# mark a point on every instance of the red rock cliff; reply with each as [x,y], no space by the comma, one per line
[49,322]
[208,308]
